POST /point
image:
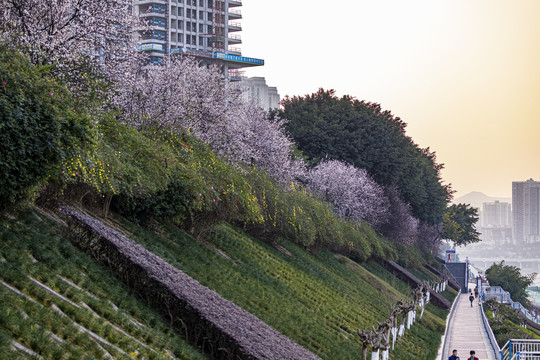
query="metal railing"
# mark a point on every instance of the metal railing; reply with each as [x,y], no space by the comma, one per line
[522,349]
[489,332]
[526,356]
[445,345]
[502,296]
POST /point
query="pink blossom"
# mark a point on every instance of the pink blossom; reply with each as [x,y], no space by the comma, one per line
[351,190]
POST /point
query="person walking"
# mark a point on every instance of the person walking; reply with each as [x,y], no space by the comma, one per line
[473,357]
[471,298]
[454,355]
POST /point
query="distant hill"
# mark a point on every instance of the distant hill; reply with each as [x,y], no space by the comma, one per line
[477,198]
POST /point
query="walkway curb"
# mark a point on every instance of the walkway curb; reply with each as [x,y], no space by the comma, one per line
[443,349]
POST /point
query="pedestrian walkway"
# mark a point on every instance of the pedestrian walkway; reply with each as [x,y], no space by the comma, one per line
[466,331]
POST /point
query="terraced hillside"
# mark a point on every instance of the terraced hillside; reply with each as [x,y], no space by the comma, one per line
[318,300]
[58,303]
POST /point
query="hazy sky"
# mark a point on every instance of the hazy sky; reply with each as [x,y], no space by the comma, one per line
[464,74]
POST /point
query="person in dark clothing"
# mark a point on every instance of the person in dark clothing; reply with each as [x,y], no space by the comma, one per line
[473,357]
[476,292]
[454,355]
[471,298]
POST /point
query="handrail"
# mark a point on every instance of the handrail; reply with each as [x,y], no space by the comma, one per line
[450,317]
[489,331]
[514,347]
[504,297]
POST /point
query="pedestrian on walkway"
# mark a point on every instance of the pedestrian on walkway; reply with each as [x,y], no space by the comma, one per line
[454,355]
[471,298]
[473,357]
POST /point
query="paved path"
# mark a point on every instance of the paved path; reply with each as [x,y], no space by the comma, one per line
[467,331]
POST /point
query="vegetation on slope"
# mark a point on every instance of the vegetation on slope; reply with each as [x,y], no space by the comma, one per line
[32,247]
[319,300]
[508,323]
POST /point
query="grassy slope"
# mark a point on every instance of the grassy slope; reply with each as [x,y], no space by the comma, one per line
[32,245]
[319,300]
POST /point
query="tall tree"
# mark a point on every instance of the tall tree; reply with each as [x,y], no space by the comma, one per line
[459,224]
[362,134]
[510,279]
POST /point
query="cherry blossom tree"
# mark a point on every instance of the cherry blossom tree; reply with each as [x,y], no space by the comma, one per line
[181,95]
[401,226]
[77,36]
[265,143]
[178,94]
[352,191]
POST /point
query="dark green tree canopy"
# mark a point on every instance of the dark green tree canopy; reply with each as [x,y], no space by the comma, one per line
[361,133]
[510,279]
[459,224]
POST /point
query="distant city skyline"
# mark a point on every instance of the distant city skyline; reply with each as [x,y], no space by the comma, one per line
[463,74]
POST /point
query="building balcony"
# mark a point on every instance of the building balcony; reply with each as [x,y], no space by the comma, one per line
[144,2]
[152,40]
[235,39]
[235,14]
[234,51]
[235,3]
[234,26]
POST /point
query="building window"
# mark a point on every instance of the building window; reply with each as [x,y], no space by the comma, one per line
[188,39]
[201,15]
[201,28]
[201,3]
[180,38]
[210,31]
[194,39]
[180,11]
[188,13]
[180,24]
[201,41]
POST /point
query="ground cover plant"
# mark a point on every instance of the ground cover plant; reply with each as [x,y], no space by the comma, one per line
[59,304]
[507,323]
[317,299]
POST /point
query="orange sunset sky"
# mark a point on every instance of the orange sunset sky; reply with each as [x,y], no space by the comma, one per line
[464,74]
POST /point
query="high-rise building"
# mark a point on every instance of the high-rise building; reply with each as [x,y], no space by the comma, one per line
[496,214]
[496,220]
[526,211]
[206,29]
[256,90]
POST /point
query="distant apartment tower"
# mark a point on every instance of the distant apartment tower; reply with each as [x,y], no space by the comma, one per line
[496,223]
[205,29]
[256,90]
[496,214]
[526,211]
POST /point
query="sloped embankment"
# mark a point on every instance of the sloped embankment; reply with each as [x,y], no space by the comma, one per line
[217,326]
[58,303]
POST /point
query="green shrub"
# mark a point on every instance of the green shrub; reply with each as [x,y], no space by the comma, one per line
[39,127]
